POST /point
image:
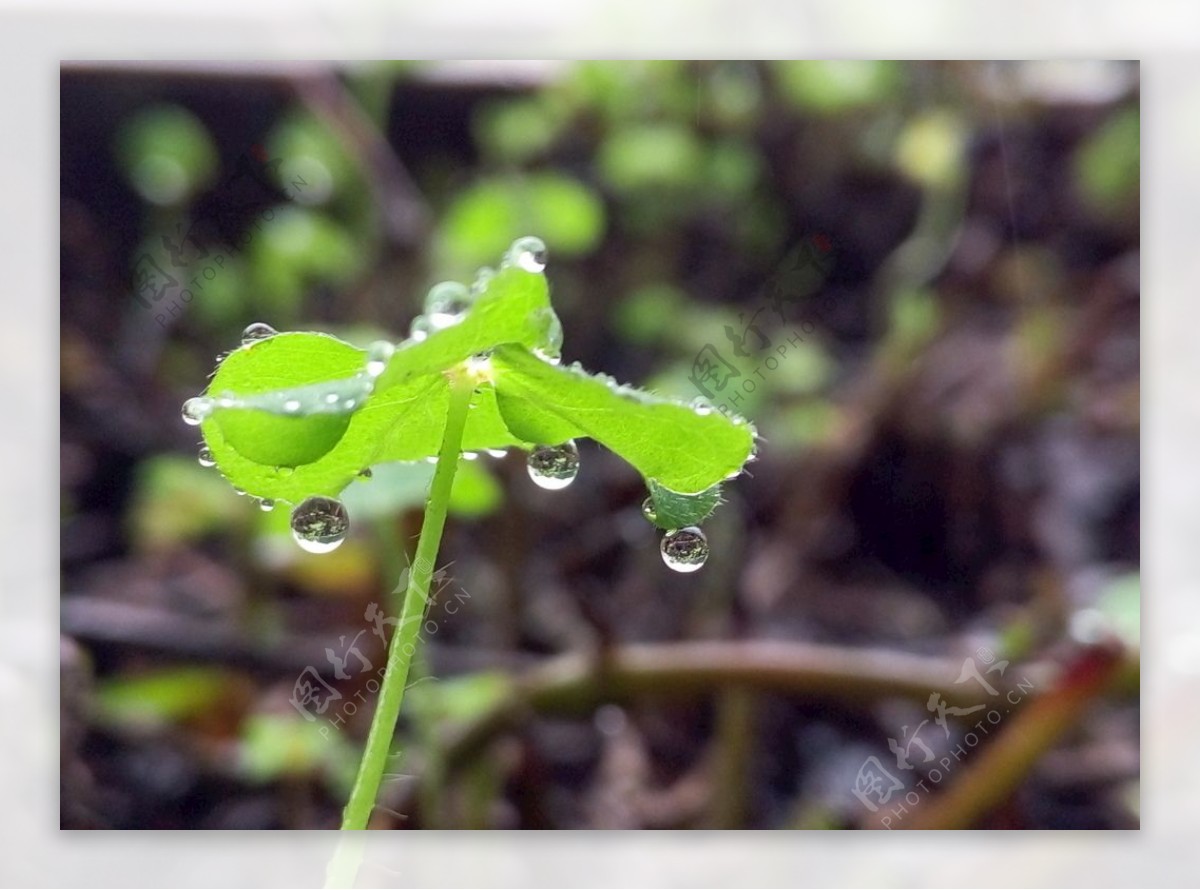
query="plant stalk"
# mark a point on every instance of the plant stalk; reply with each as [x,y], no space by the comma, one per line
[404,641]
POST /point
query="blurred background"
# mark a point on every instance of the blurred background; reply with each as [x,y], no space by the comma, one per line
[921,282]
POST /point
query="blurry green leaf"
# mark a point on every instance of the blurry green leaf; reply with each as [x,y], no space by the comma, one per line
[163,696]
[395,487]
[482,221]
[915,317]
[1121,604]
[475,492]
[517,129]
[651,156]
[167,154]
[294,248]
[313,164]
[931,149]
[1107,165]
[732,168]
[649,313]
[275,746]
[834,85]
[175,500]
[458,699]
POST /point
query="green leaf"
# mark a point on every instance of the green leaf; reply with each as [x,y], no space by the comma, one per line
[303,414]
[162,696]
[684,448]
[670,509]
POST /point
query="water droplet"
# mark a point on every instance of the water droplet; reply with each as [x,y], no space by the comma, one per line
[266,505]
[320,524]
[196,409]
[470,455]
[497,452]
[332,398]
[365,473]
[482,278]
[684,549]
[378,354]
[240,492]
[291,406]
[554,467]
[205,457]
[419,329]
[257,331]
[702,408]
[547,357]
[447,304]
[529,253]
[648,510]
[432,459]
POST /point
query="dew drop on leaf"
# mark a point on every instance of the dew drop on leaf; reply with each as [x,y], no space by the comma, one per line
[319,524]
[196,410]
[497,452]
[257,331]
[648,510]
[447,304]
[684,549]
[266,505]
[529,253]
[378,354]
[470,455]
[205,457]
[554,467]
[482,278]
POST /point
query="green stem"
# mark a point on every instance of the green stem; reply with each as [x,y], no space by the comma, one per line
[404,640]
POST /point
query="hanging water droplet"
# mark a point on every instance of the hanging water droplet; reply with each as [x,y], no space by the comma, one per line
[257,331]
[554,467]
[320,524]
[196,410]
[291,406]
[497,452]
[529,253]
[266,505]
[684,549]
[432,459]
[378,354]
[447,304]
[702,407]
[470,455]
[240,492]
[205,457]
[648,510]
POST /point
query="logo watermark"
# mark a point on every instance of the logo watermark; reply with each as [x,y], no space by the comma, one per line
[806,269]
[875,785]
[178,271]
[316,698]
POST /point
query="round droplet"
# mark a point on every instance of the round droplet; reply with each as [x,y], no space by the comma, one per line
[205,457]
[470,455]
[240,492]
[685,549]
[196,409]
[496,452]
[257,331]
[420,328]
[378,354]
[320,524]
[447,304]
[529,253]
[266,505]
[432,459]
[648,510]
[291,406]
[554,467]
